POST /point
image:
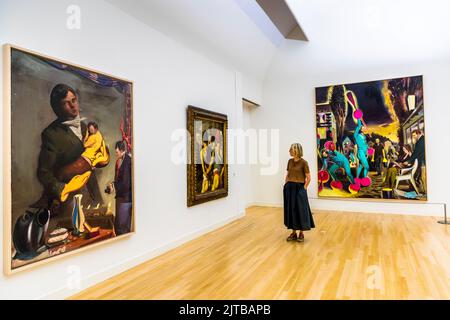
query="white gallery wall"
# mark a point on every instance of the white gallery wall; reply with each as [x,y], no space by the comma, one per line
[167,78]
[223,30]
[351,41]
[355,41]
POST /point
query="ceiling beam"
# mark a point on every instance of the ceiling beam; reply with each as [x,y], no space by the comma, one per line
[282,17]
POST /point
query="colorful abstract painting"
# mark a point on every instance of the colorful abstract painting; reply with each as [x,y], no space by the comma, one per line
[371,140]
[68,158]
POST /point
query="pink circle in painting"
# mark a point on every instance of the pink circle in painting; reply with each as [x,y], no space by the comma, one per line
[337,185]
[357,181]
[365,182]
[370,151]
[354,188]
[324,176]
[329,145]
[358,114]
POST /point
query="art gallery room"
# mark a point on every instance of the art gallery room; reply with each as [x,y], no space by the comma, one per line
[225,150]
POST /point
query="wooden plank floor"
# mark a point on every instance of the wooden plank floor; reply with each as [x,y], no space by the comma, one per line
[347,256]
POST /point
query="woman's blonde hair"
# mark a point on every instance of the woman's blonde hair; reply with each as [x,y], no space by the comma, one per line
[298,149]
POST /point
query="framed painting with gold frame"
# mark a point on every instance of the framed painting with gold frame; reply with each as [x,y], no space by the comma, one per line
[207,168]
[68,164]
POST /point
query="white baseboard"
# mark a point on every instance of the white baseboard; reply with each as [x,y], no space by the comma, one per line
[415,209]
[111,271]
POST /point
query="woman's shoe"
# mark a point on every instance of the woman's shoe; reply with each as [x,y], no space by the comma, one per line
[301,237]
[292,237]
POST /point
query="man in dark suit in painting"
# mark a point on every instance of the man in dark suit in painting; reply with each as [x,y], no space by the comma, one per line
[419,155]
[62,145]
[122,186]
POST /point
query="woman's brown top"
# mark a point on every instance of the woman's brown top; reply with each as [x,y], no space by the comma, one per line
[297,170]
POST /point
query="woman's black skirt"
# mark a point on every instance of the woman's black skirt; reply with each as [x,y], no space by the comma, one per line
[297,214]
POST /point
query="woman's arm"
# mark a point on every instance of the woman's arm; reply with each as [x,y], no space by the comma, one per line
[307,180]
[287,172]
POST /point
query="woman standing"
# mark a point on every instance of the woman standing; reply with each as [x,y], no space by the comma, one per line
[297,214]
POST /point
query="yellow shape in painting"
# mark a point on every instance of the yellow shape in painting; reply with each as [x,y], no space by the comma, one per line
[389,131]
[102,157]
[76,183]
[388,102]
[335,193]
[322,132]
[215,181]
[205,184]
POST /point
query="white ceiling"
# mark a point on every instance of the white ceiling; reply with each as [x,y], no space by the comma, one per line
[343,33]
[362,34]
[234,33]
[260,18]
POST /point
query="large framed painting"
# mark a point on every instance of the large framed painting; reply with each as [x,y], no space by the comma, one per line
[68,164]
[371,140]
[207,177]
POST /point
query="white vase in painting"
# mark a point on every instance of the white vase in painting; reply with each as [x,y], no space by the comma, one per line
[78,219]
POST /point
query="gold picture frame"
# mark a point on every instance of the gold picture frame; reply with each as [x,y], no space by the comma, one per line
[207,168]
